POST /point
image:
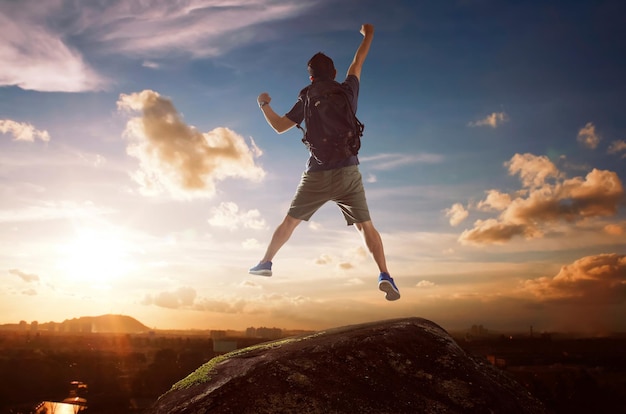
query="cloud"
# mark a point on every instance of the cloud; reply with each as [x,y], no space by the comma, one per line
[36,50]
[35,57]
[175,157]
[547,198]
[182,297]
[493,120]
[495,201]
[150,64]
[618,146]
[221,306]
[396,160]
[457,214]
[533,170]
[22,131]
[597,279]
[26,277]
[251,244]
[324,259]
[201,28]
[228,215]
[615,229]
[53,211]
[344,261]
[371,178]
[588,136]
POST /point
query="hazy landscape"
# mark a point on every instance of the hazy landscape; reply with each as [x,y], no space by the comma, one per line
[126,366]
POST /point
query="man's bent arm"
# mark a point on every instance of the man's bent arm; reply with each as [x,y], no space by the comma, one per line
[367,30]
[279,123]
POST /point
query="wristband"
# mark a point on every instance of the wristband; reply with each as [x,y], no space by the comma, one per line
[263,103]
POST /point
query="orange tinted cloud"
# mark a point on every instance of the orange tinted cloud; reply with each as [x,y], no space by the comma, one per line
[493,120]
[597,279]
[617,147]
[26,277]
[588,136]
[546,199]
[176,157]
[456,214]
[183,297]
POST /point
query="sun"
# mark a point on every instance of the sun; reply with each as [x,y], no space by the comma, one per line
[95,256]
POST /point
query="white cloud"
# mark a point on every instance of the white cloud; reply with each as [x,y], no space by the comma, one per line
[150,64]
[396,160]
[175,157]
[34,57]
[493,120]
[23,131]
[53,210]
[588,136]
[251,244]
[37,55]
[228,215]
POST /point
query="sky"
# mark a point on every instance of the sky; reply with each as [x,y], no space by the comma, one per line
[139,177]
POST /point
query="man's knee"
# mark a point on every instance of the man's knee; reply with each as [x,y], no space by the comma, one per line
[291,222]
[364,226]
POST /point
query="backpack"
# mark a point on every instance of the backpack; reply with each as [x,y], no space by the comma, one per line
[333,132]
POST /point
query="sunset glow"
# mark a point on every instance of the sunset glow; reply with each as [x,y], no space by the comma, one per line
[94,257]
[139,177]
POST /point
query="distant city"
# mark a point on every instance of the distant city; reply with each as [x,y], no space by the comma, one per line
[116,364]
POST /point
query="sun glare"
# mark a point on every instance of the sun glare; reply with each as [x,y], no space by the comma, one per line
[95,257]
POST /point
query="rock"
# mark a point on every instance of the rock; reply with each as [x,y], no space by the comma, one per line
[397,366]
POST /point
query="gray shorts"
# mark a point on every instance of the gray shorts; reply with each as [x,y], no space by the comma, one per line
[344,186]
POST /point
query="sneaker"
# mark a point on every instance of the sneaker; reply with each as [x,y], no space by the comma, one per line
[262,269]
[386,284]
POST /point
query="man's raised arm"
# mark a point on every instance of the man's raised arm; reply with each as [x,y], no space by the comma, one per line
[367,30]
[279,123]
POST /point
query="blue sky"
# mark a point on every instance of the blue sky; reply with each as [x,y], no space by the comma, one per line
[138,176]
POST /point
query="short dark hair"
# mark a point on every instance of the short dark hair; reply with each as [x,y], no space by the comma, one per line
[321,66]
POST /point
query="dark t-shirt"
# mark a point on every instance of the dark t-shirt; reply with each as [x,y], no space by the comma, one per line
[296,114]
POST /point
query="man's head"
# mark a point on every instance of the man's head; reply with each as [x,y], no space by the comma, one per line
[321,67]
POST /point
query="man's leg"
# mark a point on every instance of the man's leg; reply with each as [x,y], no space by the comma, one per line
[281,235]
[374,243]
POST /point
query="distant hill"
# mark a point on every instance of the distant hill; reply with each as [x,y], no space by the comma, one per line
[110,324]
[122,324]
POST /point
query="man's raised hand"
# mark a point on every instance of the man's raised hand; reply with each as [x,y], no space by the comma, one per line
[367,29]
[264,97]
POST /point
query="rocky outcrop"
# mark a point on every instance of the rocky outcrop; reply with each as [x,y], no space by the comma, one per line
[397,366]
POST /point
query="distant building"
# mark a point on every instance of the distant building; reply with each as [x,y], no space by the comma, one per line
[218,334]
[267,333]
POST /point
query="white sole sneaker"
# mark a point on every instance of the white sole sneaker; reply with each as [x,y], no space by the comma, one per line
[390,292]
